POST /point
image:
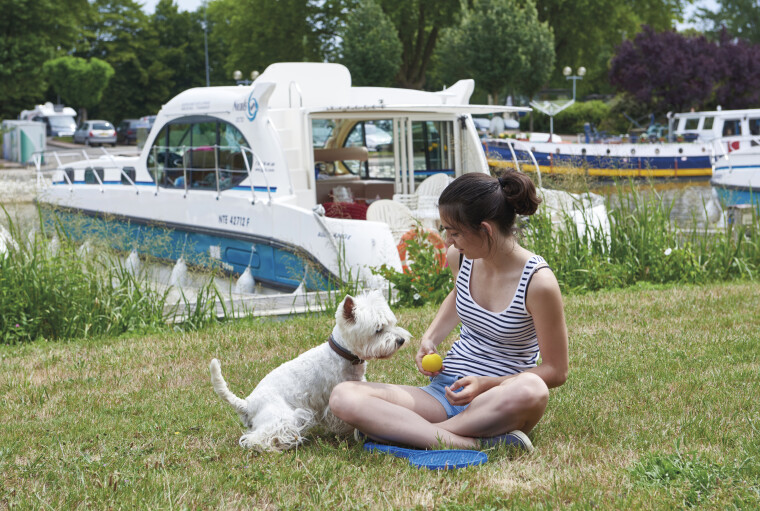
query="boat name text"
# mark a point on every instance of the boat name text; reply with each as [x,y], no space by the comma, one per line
[240,221]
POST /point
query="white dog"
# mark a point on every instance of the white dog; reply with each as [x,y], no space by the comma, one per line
[295,397]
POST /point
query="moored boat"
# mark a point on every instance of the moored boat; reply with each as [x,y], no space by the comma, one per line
[736,176]
[705,136]
[275,177]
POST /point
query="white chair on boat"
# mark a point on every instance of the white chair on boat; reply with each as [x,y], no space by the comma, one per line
[426,210]
[433,185]
[398,217]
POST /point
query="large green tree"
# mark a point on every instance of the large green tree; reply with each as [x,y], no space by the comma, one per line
[586,32]
[32,32]
[740,18]
[80,83]
[503,46]
[371,49]
[120,33]
[419,24]
[257,33]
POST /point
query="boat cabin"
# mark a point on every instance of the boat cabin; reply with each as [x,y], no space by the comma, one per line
[708,126]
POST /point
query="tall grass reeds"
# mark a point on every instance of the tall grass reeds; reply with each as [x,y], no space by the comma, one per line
[52,288]
[643,245]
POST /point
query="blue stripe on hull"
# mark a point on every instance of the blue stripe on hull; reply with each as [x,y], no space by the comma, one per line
[736,197]
[270,265]
[675,164]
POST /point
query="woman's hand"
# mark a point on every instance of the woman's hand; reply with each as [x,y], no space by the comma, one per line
[465,389]
[426,348]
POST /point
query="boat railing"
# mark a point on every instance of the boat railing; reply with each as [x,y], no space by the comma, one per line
[519,146]
[209,167]
[65,158]
[723,147]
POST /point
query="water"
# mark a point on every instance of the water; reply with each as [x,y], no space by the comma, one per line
[690,199]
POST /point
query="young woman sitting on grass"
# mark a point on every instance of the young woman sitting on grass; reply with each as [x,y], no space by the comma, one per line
[490,389]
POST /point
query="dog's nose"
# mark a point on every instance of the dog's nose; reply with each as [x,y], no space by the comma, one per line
[400,341]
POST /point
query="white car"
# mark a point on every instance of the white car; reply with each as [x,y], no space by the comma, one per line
[97,132]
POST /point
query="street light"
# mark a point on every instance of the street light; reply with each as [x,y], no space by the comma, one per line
[568,72]
[238,76]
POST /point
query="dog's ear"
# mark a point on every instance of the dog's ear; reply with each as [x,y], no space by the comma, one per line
[348,309]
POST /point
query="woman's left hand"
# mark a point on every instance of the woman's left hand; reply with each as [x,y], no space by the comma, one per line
[464,390]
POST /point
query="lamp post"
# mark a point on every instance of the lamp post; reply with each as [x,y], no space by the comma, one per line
[238,76]
[568,72]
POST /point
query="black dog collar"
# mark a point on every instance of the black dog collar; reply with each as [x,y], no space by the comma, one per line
[343,352]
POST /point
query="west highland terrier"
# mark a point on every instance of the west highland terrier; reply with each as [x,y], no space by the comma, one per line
[295,396]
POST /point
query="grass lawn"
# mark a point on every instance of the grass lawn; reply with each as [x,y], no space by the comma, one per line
[660,411]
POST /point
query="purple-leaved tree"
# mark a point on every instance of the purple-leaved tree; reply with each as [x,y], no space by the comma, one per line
[666,70]
[739,83]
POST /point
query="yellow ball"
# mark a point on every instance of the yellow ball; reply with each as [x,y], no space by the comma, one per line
[432,362]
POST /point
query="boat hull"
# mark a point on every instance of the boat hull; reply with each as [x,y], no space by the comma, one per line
[736,179]
[283,245]
[610,160]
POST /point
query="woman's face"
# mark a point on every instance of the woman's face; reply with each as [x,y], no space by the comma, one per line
[473,244]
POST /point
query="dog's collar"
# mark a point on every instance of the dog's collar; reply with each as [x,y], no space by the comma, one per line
[343,352]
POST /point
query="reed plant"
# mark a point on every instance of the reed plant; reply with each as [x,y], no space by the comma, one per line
[643,245]
[52,288]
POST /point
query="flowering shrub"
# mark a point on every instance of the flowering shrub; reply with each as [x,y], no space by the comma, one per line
[426,280]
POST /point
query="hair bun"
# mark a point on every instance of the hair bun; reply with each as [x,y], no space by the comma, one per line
[520,192]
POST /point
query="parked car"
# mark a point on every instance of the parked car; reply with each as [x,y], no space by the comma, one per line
[150,119]
[97,132]
[126,132]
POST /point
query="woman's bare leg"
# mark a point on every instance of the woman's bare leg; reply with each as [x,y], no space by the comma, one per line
[409,415]
[394,413]
[518,403]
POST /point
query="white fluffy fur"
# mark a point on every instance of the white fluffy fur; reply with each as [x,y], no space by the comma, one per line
[295,396]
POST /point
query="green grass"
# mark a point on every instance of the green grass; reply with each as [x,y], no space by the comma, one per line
[660,412]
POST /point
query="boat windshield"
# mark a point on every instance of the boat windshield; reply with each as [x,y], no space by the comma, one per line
[195,152]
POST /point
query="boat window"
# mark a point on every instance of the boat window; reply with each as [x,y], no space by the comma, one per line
[692,123]
[708,123]
[202,153]
[754,126]
[431,141]
[732,127]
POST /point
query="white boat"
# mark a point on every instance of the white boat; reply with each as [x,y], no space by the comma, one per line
[247,177]
[704,135]
[736,176]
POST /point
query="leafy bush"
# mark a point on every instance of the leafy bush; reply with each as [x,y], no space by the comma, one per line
[426,279]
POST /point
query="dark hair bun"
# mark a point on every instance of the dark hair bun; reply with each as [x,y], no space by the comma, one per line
[520,192]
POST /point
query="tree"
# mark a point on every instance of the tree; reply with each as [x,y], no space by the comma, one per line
[32,32]
[371,49]
[738,17]
[586,32]
[79,83]
[739,80]
[257,33]
[502,46]
[418,25]
[666,70]
[120,33]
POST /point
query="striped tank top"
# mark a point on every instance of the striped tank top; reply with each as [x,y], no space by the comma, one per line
[493,343]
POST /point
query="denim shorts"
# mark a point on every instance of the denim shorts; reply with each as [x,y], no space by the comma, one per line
[437,390]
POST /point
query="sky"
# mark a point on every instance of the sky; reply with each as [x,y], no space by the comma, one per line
[149,6]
